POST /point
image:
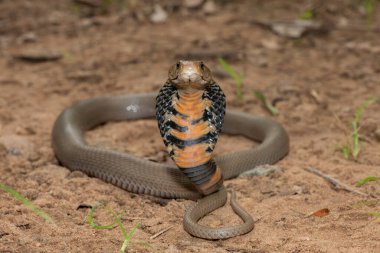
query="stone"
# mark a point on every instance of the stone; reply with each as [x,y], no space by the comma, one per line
[159,15]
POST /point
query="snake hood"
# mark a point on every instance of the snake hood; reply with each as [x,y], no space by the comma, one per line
[190,111]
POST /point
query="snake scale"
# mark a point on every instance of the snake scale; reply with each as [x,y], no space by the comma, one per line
[190,110]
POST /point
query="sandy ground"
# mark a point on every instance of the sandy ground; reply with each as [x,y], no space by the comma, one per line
[318,81]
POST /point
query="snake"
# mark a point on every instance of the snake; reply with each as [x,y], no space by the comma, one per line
[190,109]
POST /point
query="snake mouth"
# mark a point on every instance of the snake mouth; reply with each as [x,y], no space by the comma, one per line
[190,84]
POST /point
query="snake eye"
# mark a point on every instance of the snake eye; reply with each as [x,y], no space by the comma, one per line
[173,71]
[202,66]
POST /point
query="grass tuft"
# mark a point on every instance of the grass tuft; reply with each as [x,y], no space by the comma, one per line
[238,78]
[116,222]
[38,211]
[265,102]
[352,146]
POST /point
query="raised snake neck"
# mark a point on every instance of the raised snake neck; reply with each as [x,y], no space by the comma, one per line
[190,111]
[145,177]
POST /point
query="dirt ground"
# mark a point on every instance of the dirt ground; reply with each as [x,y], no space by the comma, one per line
[54,53]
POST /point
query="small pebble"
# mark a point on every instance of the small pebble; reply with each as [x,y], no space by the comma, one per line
[297,189]
[209,7]
[271,44]
[34,156]
[16,145]
[159,15]
[260,171]
[75,174]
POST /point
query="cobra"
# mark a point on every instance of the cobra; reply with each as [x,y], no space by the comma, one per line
[190,110]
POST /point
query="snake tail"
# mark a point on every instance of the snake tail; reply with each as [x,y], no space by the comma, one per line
[208,204]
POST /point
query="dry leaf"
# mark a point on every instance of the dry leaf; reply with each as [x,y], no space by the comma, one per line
[320,213]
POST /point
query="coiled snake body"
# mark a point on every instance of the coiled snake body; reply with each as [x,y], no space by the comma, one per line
[190,111]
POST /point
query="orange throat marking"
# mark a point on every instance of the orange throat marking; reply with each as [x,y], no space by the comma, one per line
[191,104]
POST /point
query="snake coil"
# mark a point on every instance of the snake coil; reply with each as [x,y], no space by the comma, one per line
[145,177]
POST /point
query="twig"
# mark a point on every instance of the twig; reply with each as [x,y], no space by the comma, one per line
[160,232]
[336,184]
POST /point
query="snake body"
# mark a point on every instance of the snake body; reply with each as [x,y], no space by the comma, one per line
[146,177]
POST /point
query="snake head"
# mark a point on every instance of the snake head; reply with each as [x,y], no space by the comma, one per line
[190,74]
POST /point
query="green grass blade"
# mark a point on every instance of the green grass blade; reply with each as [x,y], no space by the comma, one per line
[307,15]
[345,151]
[128,238]
[362,107]
[377,215]
[237,77]
[355,139]
[262,98]
[355,123]
[90,220]
[366,180]
[353,147]
[38,211]
[369,6]
[117,221]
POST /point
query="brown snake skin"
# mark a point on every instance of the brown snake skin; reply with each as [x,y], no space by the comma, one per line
[145,177]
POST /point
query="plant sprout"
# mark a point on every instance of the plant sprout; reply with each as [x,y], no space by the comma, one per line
[352,147]
[238,78]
